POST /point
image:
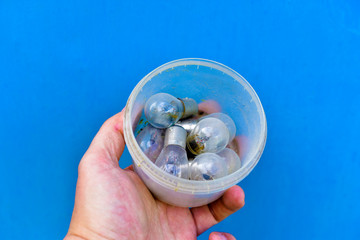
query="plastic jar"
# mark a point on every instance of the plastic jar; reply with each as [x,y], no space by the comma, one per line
[201,80]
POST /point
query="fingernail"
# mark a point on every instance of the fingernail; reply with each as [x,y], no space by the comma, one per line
[220,236]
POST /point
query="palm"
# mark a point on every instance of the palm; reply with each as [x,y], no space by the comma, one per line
[113,203]
[121,202]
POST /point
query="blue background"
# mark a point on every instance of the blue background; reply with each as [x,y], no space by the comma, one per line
[67,66]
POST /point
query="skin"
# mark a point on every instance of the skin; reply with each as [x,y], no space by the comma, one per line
[114,203]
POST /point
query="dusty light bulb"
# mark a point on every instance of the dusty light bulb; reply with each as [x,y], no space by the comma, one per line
[232,160]
[189,124]
[173,158]
[207,166]
[163,110]
[227,120]
[209,135]
[151,141]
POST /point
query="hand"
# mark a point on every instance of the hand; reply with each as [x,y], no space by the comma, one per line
[113,203]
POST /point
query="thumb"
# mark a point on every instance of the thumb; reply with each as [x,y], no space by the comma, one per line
[108,144]
[221,236]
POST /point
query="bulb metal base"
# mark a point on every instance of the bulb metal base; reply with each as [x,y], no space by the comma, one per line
[188,124]
[175,135]
[190,107]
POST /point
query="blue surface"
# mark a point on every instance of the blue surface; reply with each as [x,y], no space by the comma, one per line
[66,66]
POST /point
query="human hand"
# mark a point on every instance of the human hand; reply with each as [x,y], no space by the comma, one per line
[113,203]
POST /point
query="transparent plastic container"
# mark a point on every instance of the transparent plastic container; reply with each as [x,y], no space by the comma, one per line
[201,80]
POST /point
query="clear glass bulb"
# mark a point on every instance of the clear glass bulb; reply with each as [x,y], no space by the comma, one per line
[209,135]
[151,141]
[163,110]
[207,166]
[232,160]
[173,160]
[227,120]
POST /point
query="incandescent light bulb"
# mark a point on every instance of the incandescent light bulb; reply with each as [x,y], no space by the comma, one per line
[189,124]
[209,135]
[173,158]
[151,141]
[231,159]
[207,166]
[163,110]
